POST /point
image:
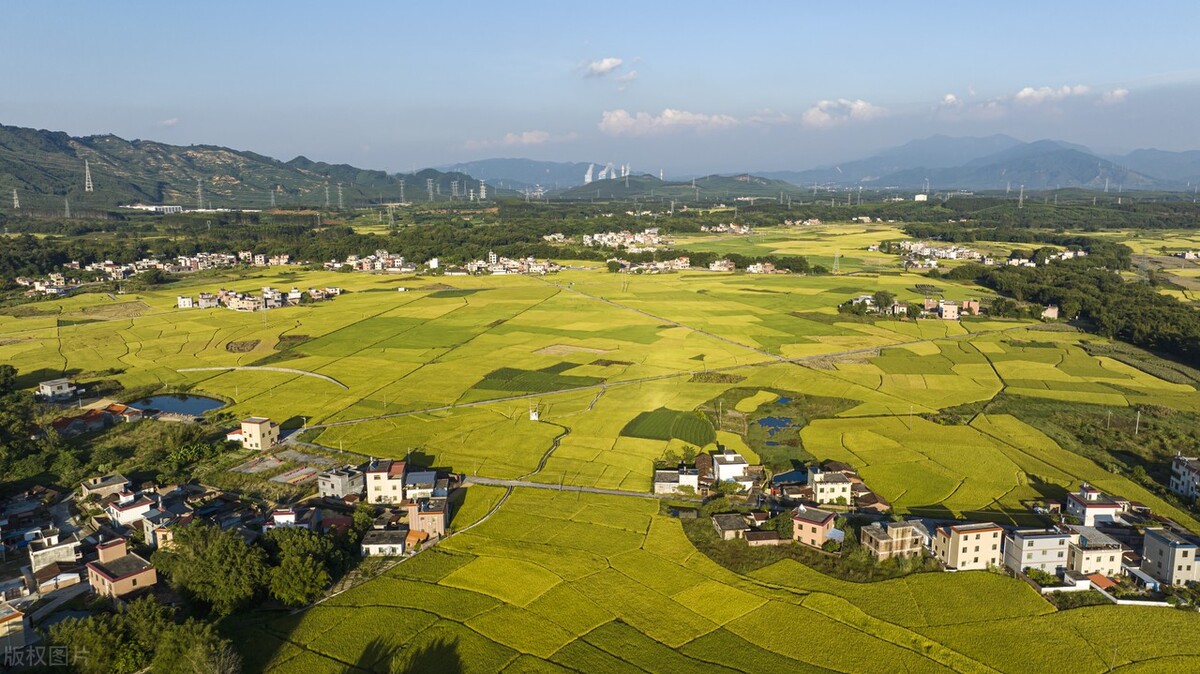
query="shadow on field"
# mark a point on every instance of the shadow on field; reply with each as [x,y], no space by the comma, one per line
[441,656]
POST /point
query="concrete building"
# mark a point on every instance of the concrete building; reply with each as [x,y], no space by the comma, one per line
[52,548]
[419,484]
[380,542]
[385,481]
[106,485]
[259,433]
[813,526]
[1092,551]
[1185,477]
[341,482]
[185,302]
[1041,549]
[967,547]
[1169,557]
[14,629]
[56,390]
[731,467]
[829,486]
[119,572]
[1092,506]
[129,508]
[670,481]
[730,525]
[430,515]
[897,539]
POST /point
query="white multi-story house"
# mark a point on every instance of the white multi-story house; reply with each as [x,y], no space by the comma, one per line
[385,481]
[967,547]
[829,486]
[1185,477]
[1041,549]
[1169,557]
[1091,506]
[1092,551]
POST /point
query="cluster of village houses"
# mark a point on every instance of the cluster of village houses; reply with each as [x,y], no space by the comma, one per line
[270,298]
[107,554]
[947,310]
[645,241]
[727,228]
[1097,540]
[383,261]
[1189,255]
[684,263]
[923,254]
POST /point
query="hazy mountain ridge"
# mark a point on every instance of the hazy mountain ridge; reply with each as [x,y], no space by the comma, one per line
[47,166]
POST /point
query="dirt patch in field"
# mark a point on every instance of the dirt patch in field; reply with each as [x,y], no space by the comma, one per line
[27,311]
[566,350]
[119,310]
[6,342]
[604,362]
[831,362]
[290,342]
[242,347]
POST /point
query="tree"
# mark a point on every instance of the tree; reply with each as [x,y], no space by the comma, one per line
[216,567]
[298,581]
[883,299]
[613,266]
[913,311]
[8,378]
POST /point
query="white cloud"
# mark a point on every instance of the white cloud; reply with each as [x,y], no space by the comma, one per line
[521,139]
[602,67]
[833,112]
[1032,96]
[951,101]
[628,77]
[169,122]
[1115,96]
[621,123]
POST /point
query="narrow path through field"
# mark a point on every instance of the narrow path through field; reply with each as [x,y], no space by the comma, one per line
[286,370]
[495,482]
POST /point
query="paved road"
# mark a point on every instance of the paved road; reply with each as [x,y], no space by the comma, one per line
[252,368]
[476,479]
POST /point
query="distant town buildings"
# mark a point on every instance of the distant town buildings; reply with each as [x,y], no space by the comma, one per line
[645,241]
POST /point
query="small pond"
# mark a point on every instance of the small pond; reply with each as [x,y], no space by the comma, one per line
[179,404]
[775,424]
[782,401]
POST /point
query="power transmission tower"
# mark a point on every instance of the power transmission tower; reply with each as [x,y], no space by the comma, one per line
[326,195]
[402,190]
[87,176]
[341,205]
[837,254]
[199,195]
[391,217]
[1021,198]
[272,198]
[429,187]
[16,201]
[482,191]
[453,189]
[66,208]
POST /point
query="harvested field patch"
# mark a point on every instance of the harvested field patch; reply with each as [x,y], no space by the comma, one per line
[716,378]
[566,350]
[242,347]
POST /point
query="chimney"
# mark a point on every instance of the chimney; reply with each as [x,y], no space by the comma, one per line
[113,550]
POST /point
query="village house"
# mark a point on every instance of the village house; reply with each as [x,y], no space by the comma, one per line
[129,507]
[1185,477]
[341,482]
[730,526]
[259,433]
[1050,313]
[382,542]
[385,481]
[103,486]
[429,515]
[55,576]
[1040,549]
[118,572]
[53,548]
[1169,558]
[207,301]
[896,539]
[1092,551]
[1091,506]
[293,518]
[813,526]
[419,484]
[730,466]
[14,629]
[829,486]
[966,547]
[56,390]
[124,413]
[185,302]
[723,265]
[670,481]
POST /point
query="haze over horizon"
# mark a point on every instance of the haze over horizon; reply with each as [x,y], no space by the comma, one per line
[774,87]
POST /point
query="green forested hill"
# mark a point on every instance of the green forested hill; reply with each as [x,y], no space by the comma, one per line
[47,166]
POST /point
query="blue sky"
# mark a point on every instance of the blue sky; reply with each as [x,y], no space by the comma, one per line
[688,87]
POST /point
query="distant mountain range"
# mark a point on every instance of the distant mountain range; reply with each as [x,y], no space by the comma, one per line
[46,167]
[979,163]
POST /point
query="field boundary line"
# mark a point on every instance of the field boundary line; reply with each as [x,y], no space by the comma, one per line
[254,368]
